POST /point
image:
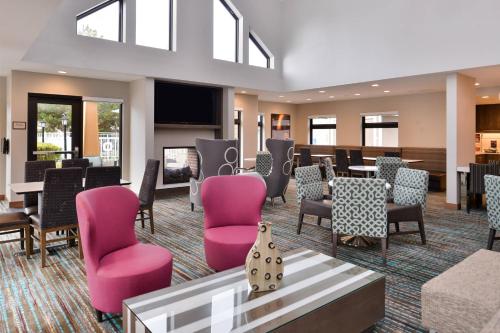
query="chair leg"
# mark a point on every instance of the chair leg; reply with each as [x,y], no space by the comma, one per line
[283,198]
[334,244]
[151,221]
[98,316]
[30,244]
[43,250]
[142,218]
[80,248]
[421,229]
[397,226]
[299,223]
[21,233]
[491,238]
[468,202]
[192,207]
[384,248]
[27,241]
[319,220]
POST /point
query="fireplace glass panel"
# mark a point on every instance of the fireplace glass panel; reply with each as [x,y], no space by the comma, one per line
[179,164]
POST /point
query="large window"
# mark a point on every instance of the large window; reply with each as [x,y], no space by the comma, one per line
[380,130]
[260,132]
[102,21]
[323,131]
[258,55]
[154,23]
[227,29]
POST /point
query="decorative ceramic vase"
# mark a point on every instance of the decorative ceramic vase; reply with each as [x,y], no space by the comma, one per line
[264,264]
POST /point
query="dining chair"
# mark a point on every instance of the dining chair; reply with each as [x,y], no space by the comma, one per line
[34,171]
[76,163]
[57,210]
[342,162]
[409,201]
[117,265]
[310,195]
[102,176]
[388,172]
[492,186]
[359,209]
[392,154]
[329,171]
[356,158]
[476,187]
[305,158]
[147,193]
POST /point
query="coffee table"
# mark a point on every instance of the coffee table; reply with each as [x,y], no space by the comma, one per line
[317,291]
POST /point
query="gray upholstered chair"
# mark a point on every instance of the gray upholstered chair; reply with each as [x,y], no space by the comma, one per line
[476,185]
[329,171]
[83,163]
[305,158]
[282,156]
[263,163]
[147,193]
[359,209]
[409,202]
[388,171]
[342,162]
[34,171]
[102,176]
[492,184]
[310,195]
[57,208]
[217,158]
[387,159]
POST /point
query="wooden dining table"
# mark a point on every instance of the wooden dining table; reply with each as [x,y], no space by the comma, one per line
[37,187]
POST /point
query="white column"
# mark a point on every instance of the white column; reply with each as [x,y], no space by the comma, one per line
[228,113]
[460,130]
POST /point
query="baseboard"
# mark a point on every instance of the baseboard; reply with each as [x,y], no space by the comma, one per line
[15,204]
[453,206]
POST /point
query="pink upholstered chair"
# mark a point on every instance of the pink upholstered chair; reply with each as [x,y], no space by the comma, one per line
[232,206]
[117,265]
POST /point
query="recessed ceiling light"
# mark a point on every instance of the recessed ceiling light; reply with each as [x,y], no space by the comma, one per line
[289,101]
[281,96]
[357,94]
[387,91]
[243,91]
[485,97]
[477,84]
[308,99]
[322,91]
[375,85]
[331,96]
[62,72]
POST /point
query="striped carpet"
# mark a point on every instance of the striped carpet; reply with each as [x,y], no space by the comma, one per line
[55,299]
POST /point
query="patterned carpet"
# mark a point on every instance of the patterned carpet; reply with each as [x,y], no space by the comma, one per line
[55,299]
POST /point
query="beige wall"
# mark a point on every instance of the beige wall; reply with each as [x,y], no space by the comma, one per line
[22,83]
[422,118]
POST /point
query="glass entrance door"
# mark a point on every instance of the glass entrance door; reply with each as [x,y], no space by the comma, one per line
[54,127]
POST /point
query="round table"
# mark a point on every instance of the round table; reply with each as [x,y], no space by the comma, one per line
[367,169]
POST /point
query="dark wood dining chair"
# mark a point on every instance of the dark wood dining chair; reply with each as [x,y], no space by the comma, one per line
[342,163]
[356,157]
[305,158]
[147,193]
[392,154]
[34,171]
[102,176]
[476,187]
[77,163]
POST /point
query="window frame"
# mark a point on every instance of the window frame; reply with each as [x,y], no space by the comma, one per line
[313,126]
[98,8]
[253,39]
[237,18]
[365,125]
[171,28]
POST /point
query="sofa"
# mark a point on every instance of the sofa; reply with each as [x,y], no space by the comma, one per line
[466,297]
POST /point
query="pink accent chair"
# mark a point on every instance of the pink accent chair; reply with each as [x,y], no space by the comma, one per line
[117,265]
[232,206]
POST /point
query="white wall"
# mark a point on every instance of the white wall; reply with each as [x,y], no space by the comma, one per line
[58,45]
[333,42]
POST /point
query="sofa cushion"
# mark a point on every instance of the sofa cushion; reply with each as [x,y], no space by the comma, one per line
[465,297]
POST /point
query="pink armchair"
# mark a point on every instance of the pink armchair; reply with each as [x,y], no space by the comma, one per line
[117,265]
[232,206]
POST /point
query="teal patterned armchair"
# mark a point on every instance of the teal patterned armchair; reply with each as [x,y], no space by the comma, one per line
[492,185]
[359,209]
[329,171]
[310,195]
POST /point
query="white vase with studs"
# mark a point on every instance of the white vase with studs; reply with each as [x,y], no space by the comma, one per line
[264,264]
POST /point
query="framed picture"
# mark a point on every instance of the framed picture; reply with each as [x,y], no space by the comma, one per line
[19,125]
[280,126]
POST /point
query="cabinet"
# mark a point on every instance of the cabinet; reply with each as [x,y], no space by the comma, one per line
[488,118]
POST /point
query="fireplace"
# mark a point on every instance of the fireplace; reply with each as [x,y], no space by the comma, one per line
[179,164]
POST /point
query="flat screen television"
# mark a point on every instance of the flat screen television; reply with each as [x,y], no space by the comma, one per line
[186,104]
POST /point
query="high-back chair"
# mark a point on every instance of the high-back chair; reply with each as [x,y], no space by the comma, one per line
[359,209]
[492,186]
[392,154]
[147,193]
[216,158]
[410,199]
[329,171]
[305,158]
[310,195]
[102,176]
[57,210]
[232,214]
[387,159]
[342,162]
[282,156]
[476,186]
[83,163]
[263,163]
[117,265]
[34,171]
[356,158]
[388,172]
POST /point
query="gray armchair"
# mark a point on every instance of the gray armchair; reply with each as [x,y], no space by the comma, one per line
[282,162]
[217,158]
